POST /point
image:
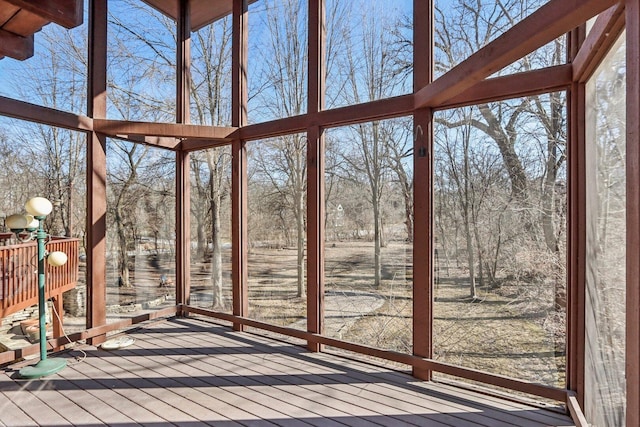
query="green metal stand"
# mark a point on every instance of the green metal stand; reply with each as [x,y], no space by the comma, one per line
[45,366]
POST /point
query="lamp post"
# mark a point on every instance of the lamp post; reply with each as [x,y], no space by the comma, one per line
[38,208]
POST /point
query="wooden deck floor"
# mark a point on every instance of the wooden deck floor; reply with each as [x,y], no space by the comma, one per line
[187,372]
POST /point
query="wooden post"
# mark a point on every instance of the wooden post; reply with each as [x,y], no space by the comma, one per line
[315,175]
[239,163]
[422,185]
[632,13]
[97,171]
[576,241]
[183,190]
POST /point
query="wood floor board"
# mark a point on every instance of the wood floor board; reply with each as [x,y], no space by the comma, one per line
[187,372]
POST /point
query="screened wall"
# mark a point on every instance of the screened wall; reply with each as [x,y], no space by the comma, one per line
[437,186]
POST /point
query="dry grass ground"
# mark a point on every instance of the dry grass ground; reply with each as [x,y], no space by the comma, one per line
[510,331]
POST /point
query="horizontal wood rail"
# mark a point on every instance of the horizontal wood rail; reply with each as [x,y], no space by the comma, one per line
[19,278]
[59,342]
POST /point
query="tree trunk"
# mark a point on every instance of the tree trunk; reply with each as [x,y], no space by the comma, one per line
[476,233]
[216,255]
[123,257]
[300,242]
[377,237]
[512,163]
[470,257]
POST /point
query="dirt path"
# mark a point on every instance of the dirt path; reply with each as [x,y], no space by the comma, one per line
[343,310]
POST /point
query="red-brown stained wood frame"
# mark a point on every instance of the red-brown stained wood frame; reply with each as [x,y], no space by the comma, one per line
[68,13]
[239,276]
[45,115]
[603,35]
[15,46]
[443,93]
[183,190]
[90,334]
[544,25]
[176,130]
[422,190]
[96,240]
[529,83]
[576,242]
[633,213]
[576,227]
[315,234]
[315,174]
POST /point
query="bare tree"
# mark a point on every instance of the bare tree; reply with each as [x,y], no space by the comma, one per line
[56,77]
[379,147]
[211,168]
[140,87]
[283,83]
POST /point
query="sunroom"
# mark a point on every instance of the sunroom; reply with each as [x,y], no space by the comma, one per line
[325,212]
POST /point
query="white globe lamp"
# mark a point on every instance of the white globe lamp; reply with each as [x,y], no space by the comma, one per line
[38,207]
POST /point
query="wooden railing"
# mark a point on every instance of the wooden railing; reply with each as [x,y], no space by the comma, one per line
[19,278]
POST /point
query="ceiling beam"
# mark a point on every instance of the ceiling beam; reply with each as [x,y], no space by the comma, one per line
[44,115]
[604,33]
[154,141]
[15,46]
[68,13]
[199,144]
[118,128]
[543,26]
[529,83]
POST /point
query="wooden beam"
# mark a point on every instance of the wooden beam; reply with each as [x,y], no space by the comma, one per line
[96,239]
[183,188]
[528,83]
[45,115]
[576,240]
[154,141]
[546,24]
[422,192]
[68,13]
[175,130]
[274,128]
[15,46]
[374,110]
[315,173]
[633,213]
[604,33]
[239,244]
[366,112]
[189,144]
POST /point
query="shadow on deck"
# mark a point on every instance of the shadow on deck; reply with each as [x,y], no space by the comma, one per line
[190,372]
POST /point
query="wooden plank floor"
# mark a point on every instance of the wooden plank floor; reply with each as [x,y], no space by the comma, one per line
[187,372]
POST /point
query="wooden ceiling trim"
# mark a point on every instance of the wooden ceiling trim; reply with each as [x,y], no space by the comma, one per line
[529,83]
[154,141]
[546,24]
[343,116]
[166,7]
[189,144]
[68,13]
[603,35]
[7,11]
[203,12]
[117,128]
[39,114]
[15,46]
[25,23]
